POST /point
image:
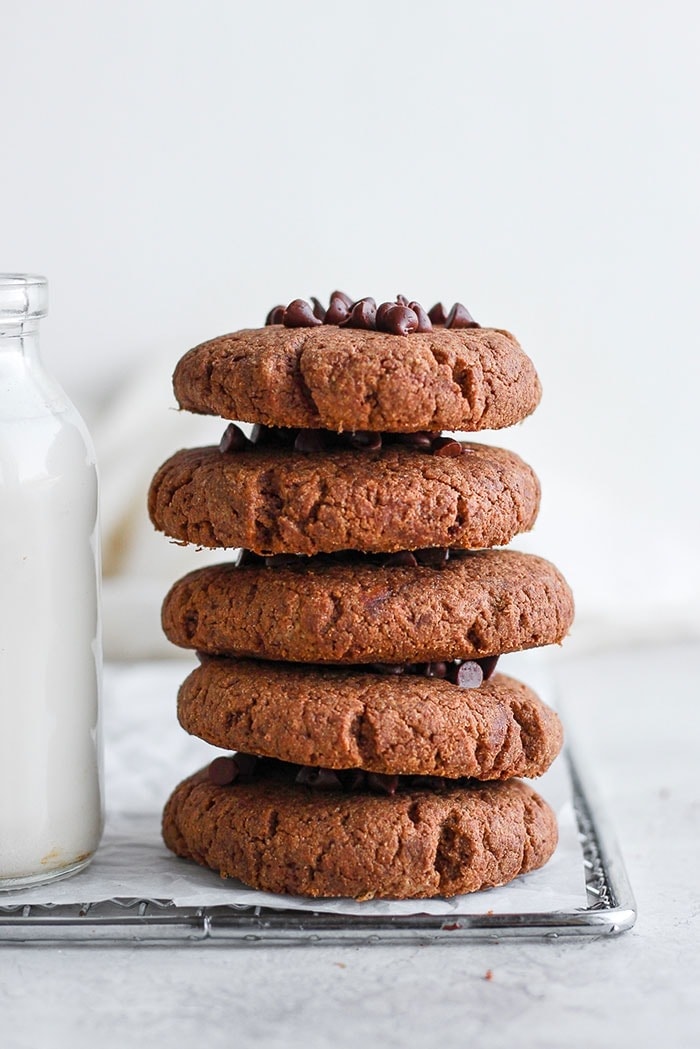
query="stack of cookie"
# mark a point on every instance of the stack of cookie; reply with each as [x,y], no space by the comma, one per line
[348,657]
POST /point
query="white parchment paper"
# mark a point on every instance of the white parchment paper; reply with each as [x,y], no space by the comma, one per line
[147,753]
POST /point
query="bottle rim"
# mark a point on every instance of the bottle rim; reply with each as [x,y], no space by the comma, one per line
[23,296]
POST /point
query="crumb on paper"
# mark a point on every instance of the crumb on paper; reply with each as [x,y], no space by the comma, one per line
[488,975]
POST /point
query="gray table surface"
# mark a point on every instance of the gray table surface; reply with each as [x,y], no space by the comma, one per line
[636,714]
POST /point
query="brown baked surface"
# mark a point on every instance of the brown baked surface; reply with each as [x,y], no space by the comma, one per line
[346,379]
[398,725]
[284,838]
[478,604]
[398,498]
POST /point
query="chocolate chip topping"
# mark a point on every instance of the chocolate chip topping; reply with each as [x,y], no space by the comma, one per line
[399,320]
[233,440]
[460,317]
[447,446]
[424,321]
[437,314]
[338,311]
[300,315]
[363,315]
[275,316]
[225,771]
[401,317]
[319,311]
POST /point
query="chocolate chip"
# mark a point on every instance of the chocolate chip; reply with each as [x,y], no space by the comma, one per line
[488,665]
[447,447]
[368,440]
[319,778]
[299,314]
[275,316]
[310,441]
[387,668]
[437,314]
[460,317]
[438,670]
[401,300]
[399,320]
[234,440]
[381,314]
[432,555]
[470,674]
[422,440]
[319,310]
[363,315]
[343,298]
[424,322]
[264,436]
[402,559]
[246,764]
[381,783]
[222,771]
[338,311]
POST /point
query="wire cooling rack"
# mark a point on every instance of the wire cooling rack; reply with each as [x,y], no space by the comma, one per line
[610,909]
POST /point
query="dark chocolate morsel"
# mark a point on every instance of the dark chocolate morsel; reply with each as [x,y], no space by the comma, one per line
[363,315]
[424,322]
[343,298]
[460,317]
[422,439]
[382,311]
[438,670]
[488,666]
[368,440]
[401,300]
[437,314]
[264,436]
[432,555]
[381,783]
[403,559]
[338,311]
[400,320]
[447,447]
[310,441]
[319,311]
[299,314]
[275,316]
[222,771]
[470,674]
[234,440]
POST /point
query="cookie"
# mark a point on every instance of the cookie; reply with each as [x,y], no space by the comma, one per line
[344,379]
[397,498]
[478,604]
[398,725]
[285,838]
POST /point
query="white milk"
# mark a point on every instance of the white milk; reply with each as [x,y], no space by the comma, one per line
[50,653]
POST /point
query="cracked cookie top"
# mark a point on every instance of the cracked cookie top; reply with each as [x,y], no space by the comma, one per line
[341,379]
[276,500]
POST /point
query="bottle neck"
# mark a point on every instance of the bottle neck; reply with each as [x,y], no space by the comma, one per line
[20,339]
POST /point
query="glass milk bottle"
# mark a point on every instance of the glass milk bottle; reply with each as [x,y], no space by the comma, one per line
[50,644]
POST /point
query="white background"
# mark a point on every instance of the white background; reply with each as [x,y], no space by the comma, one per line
[177,168]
